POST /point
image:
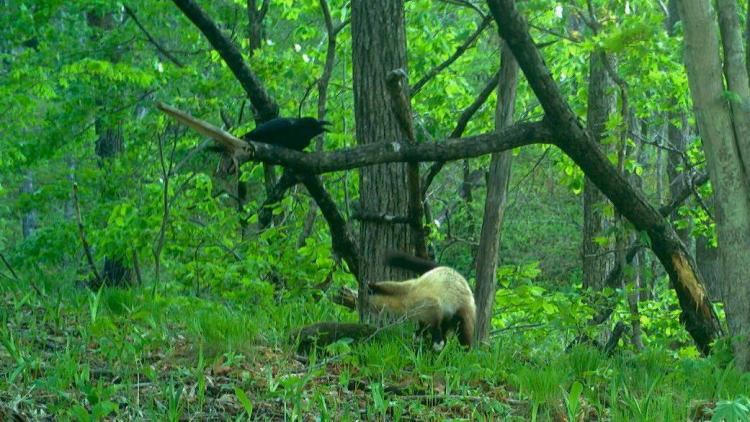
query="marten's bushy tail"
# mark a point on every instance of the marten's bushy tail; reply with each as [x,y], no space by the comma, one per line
[467,315]
[409,262]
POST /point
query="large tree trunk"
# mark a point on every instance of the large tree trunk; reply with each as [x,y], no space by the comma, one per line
[378,46]
[723,146]
[596,262]
[697,313]
[494,205]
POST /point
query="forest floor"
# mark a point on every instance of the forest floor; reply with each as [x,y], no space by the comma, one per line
[127,355]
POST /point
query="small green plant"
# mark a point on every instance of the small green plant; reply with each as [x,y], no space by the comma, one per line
[737,410]
[244,401]
[572,400]
[379,401]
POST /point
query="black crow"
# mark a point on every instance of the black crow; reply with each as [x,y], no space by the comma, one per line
[292,133]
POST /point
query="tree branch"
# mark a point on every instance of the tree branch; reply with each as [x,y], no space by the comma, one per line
[366,155]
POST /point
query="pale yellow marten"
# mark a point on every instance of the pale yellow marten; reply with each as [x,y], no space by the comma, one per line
[440,300]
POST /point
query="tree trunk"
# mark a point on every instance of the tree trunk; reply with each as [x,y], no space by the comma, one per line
[494,205]
[698,315]
[109,144]
[596,262]
[378,46]
[723,148]
[255,32]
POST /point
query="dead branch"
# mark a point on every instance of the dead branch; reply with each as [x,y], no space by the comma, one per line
[325,333]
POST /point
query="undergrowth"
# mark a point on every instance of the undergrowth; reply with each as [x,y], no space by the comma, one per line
[75,354]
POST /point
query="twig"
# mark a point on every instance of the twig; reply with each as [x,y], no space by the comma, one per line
[151,39]
[700,201]
[554,33]
[533,169]
[9,267]
[82,234]
[15,276]
[137,267]
[463,120]
[466,3]
[434,399]
[458,53]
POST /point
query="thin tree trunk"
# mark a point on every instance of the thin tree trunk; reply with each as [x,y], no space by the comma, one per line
[494,205]
[596,262]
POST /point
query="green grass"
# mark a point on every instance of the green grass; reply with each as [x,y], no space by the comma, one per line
[80,355]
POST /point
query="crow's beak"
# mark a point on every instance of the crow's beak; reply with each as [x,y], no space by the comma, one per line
[324,123]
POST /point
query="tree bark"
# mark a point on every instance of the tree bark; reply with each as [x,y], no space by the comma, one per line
[378,46]
[698,315]
[494,205]
[723,150]
[708,259]
[601,101]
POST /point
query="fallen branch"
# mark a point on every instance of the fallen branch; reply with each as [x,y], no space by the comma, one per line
[325,333]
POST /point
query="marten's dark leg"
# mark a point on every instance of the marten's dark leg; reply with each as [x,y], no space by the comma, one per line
[450,324]
[436,330]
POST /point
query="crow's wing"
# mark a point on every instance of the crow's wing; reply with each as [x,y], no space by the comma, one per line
[272,131]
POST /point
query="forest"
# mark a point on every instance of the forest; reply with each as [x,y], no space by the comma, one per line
[242,210]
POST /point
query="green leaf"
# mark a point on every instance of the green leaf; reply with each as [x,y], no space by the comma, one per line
[244,400]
